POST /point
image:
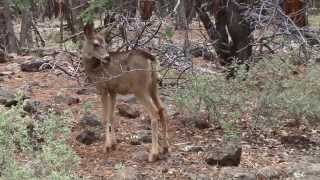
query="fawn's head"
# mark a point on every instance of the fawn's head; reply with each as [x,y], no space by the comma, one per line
[95,45]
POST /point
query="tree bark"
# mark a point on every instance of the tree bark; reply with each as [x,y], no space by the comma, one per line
[229,25]
[7,36]
[26,29]
[296,10]
[181,16]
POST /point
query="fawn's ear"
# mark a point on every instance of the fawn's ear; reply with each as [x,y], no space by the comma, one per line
[89,30]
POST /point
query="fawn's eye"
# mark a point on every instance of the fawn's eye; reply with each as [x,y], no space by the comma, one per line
[96,44]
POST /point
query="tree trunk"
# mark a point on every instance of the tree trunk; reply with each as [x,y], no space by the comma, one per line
[146,8]
[7,36]
[181,16]
[229,25]
[26,29]
[162,8]
[297,11]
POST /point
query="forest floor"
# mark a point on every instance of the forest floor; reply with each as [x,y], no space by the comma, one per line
[183,162]
[264,154]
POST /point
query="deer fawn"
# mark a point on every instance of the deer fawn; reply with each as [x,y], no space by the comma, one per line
[129,72]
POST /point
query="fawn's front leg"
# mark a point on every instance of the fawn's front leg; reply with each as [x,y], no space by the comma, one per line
[107,115]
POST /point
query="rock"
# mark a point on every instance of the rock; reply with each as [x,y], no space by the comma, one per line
[268,172]
[7,98]
[202,124]
[14,67]
[141,137]
[202,52]
[296,141]
[6,73]
[140,156]
[134,141]
[304,171]
[31,106]
[129,99]
[126,173]
[72,100]
[228,154]
[3,57]
[83,91]
[87,137]
[191,148]
[238,174]
[193,176]
[126,111]
[144,136]
[35,65]
[69,100]
[90,120]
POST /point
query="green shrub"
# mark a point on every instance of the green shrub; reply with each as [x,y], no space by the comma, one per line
[35,149]
[274,91]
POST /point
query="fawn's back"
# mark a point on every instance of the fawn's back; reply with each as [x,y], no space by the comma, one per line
[126,72]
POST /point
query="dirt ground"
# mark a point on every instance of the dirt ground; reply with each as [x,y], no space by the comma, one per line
[259,150]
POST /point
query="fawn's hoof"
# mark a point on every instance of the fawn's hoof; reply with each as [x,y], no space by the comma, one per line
[165,150]
[153,157]
[109,148]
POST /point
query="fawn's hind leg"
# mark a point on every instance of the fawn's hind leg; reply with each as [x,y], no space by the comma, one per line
[163,116]
[152,110]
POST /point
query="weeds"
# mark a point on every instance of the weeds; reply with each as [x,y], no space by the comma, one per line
[274,91]
[35,149]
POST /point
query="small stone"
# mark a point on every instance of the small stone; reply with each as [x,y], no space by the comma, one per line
[72,100]
[35,65]
[87,137]
[126,111]
[6,73]
[228,154]
[202,124]
[134,141]
[90,120]
[3,57]
[296,140]
[68,100]
[144,136]
[7,98]
[126,173]
[140,156]
[191,148]
[83,91]
[31,106]
[268,172]
[238,173]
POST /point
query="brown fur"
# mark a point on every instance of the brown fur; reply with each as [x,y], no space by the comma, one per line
[129,72]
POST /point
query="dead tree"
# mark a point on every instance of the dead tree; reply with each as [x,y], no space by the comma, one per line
[229,24]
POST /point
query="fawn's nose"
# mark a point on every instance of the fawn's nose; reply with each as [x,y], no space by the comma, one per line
[106,57]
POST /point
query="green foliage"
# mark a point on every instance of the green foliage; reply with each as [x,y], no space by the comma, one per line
[26,4]
[23,156]
[21,4]
[87,106]
[274,91]
[169,32]
[95,5]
